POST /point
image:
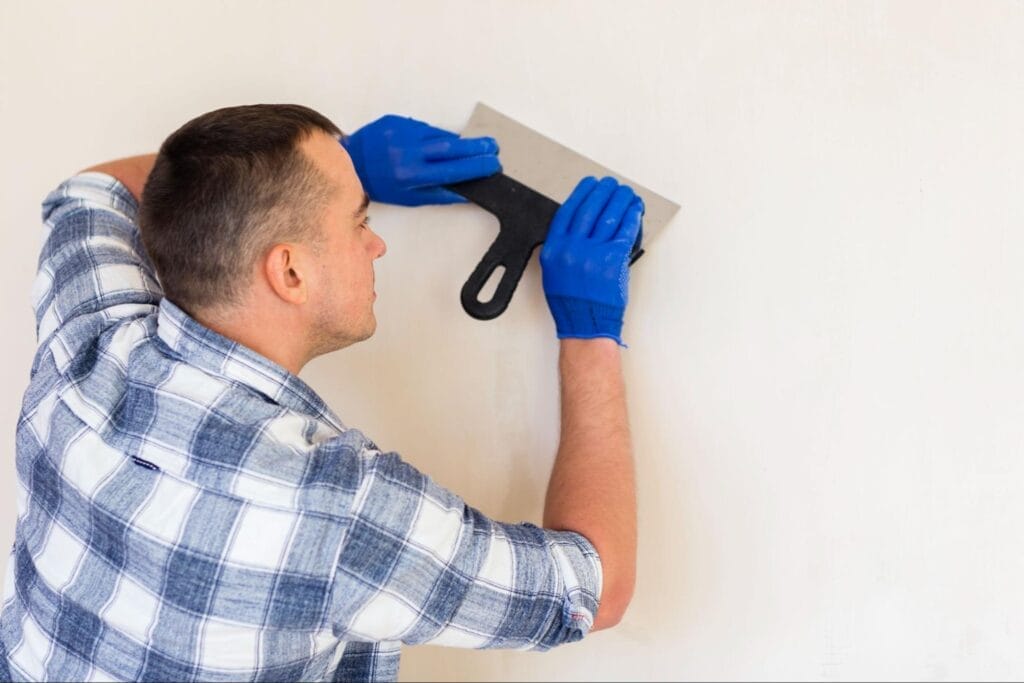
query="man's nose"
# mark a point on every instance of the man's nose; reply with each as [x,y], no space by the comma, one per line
[382,249]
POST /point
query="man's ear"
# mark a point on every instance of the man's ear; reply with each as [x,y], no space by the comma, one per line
[286,272]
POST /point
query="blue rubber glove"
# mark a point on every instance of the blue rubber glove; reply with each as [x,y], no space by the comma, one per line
[585,259]
[404,161]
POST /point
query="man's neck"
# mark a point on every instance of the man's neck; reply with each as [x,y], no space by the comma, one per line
[270,338]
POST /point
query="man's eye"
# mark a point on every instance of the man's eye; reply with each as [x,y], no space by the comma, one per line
[366,222]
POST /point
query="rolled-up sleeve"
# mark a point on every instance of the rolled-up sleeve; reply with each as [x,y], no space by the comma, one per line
[420,566]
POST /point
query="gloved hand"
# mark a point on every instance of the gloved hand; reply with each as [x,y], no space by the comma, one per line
[585,259]
[404,161]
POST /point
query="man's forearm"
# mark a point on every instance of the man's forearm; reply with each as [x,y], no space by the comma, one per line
[132,171]
[592,487]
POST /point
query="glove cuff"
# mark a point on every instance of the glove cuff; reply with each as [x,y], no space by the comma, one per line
[584,319]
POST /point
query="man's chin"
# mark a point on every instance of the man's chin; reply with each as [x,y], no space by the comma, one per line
[368,330]
[338,339]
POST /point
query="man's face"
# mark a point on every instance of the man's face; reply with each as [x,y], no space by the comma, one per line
[342,291]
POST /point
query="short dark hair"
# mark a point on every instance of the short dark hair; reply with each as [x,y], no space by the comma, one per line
[225,187]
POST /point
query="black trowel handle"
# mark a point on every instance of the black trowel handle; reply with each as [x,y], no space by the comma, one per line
[515,259]
[523,219]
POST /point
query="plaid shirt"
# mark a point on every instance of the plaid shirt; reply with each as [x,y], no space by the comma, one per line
[190,510]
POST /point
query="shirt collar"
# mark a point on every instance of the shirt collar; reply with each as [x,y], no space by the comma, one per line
[198,345]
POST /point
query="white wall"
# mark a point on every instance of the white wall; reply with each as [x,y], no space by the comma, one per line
[825,374]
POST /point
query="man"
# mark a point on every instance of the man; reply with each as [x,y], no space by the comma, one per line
[189,509]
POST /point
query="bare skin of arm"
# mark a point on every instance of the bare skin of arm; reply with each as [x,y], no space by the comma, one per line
[592,487]
[132,171]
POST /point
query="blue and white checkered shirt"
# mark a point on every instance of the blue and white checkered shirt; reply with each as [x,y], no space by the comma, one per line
[189,510]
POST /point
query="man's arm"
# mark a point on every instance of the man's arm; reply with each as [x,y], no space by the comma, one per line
[93,268]
[592,489]
[585,266]
[132,171]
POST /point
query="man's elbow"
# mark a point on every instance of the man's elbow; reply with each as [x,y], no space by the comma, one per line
[613,605]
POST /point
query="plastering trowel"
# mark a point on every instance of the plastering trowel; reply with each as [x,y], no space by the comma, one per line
[537,175]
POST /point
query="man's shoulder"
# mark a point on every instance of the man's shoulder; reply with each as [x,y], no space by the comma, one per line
[86,365]
[126,386]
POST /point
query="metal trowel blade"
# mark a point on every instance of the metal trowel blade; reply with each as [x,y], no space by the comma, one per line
[553,169]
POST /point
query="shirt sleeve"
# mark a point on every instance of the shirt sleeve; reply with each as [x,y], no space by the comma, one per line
[420,566]
[92,268]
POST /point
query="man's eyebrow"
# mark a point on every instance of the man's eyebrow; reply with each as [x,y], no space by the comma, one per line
[362,206]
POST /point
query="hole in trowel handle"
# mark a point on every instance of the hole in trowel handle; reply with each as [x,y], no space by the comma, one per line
[490,287]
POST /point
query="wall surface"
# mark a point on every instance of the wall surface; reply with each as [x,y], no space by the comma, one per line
[826,363]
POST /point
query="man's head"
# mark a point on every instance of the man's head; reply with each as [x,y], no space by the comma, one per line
[254,216]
